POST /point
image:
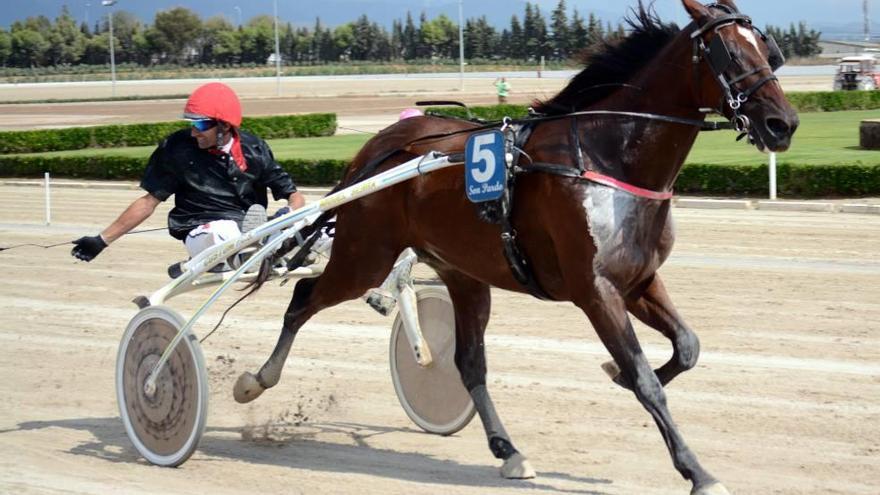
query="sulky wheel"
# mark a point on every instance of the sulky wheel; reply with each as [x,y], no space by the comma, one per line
[433,397]
[164,426]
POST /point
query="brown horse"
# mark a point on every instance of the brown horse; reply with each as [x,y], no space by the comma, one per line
[598,245]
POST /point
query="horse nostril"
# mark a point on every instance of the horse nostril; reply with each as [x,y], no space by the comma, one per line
[777,127]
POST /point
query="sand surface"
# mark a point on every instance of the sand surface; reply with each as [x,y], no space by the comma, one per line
[785,400]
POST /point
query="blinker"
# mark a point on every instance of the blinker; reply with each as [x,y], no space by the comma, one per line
[718,56]
[720,59]
[774,55]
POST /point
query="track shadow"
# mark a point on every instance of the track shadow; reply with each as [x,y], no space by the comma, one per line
[297,447]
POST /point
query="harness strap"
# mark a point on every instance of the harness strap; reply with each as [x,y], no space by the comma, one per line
[519,264]
[552,169]
[749,92]
[704,125]
[750,73]
[576,143]
[517,260]
[718,21]
[605,180]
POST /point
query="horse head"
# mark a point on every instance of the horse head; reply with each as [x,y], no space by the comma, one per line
[736,64]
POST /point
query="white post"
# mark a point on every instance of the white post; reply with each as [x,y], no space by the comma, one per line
[112,56]
[772,175]
[48,199]
[110,4]
[461,43]
[277,49]
[541,70]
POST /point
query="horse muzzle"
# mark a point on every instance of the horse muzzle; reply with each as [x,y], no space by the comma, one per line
[773,131]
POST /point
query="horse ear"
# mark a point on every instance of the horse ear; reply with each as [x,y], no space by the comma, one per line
[729,3]
[696,10]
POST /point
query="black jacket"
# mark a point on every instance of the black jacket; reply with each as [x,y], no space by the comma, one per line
[208,187]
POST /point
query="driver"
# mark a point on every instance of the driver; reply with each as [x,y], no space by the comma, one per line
[217,173]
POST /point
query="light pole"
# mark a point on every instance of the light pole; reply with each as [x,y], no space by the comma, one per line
[461,43]
[238,9]
[111,3]
[277,49]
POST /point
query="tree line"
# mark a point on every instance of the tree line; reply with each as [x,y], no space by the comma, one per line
[797,41]
[179,36]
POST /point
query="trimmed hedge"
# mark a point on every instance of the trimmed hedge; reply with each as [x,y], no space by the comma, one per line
[834,101]
[304,172]
[116,136]
[806,181]
[491,112]
[814,101]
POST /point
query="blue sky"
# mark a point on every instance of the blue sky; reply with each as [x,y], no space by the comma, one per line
[827,15]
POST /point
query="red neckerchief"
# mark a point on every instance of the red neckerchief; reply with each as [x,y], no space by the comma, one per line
[234,151]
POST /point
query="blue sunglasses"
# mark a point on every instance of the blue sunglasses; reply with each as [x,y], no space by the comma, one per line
[204,124]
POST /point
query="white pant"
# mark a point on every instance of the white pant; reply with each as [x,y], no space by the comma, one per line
[219,231]
[210,234]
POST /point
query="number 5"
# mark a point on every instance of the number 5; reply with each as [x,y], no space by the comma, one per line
[481,154]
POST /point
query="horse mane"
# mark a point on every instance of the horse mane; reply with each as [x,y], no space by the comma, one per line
[613,63]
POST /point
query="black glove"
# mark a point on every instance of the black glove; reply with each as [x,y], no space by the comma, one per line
[88,247]
[281,212]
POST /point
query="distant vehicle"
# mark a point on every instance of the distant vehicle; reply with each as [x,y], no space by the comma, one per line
[857,73]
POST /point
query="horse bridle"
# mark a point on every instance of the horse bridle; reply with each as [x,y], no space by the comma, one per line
[719,60]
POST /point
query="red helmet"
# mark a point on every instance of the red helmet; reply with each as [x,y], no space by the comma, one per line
[214,101]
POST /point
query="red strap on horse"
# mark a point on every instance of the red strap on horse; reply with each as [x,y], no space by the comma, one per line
[623,186]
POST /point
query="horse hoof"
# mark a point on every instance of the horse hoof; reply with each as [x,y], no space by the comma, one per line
[381,301]
[247,388]
[713,489]
[611,369]
[517,467]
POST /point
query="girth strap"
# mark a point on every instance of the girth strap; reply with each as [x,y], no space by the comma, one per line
[605,180]
[517,260]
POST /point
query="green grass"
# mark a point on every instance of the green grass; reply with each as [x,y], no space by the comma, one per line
[823,138]
[320,148]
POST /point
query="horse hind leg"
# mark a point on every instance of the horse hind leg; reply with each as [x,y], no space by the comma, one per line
[472,301]
[611,322]
[348,275]
[652,306]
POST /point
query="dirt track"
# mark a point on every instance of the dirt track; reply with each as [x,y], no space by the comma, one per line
[362,104]
[786,399]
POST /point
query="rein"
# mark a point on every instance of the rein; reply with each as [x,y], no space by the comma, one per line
[50,246]
[702,124]
[581,172]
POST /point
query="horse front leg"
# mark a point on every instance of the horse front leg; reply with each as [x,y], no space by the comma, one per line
[351,271]
[606,310]
[249,386]
[472,301]
[651,305]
